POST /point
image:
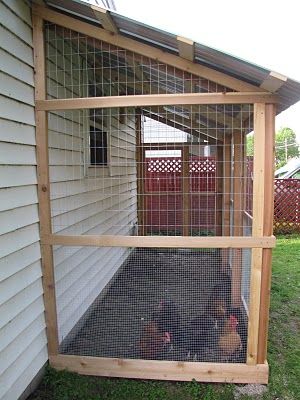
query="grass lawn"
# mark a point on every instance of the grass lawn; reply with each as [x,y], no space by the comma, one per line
[284,353]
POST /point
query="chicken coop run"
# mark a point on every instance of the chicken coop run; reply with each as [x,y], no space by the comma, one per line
[156,225]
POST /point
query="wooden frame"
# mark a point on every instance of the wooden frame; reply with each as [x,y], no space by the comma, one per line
[144,50]
[219,189]
[163,370]
[140,180]
[238,204]
[267,230]
[186,48]
[44,187]
[227,154]
[186,190]
[257,229]
[261,242]
[223,242]
[154,100]
[104,18]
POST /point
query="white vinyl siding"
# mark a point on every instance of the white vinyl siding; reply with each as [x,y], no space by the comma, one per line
[23,343]
[83,199]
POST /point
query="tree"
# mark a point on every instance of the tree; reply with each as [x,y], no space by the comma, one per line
[250,144]
[286,146]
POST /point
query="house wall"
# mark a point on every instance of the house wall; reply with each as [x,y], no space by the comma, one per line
[23,343]
[81,273]
[86,200]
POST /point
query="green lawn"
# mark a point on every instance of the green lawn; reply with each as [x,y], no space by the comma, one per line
[284,353]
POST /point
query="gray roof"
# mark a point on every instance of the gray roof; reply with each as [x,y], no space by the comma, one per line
[289,92]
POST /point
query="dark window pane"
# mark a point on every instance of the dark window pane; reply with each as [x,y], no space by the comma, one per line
[98,146]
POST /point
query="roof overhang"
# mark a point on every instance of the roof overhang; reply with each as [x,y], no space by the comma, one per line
[197,54]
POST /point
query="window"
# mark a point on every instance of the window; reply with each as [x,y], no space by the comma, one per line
[98,146]
[296,175]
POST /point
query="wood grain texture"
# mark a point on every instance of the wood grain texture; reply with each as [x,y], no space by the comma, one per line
[162,241]
[44,187]
[227,153]
[267,230]
[238,196]
[162,370]
[186,191]
[185,48]
[257,229]
[220,190]
[154,100]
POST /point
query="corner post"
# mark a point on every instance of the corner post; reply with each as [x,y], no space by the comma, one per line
[41,118]
[140,173]
[219,187]
[267,231]
[257,230]
[238,196]
[186,192]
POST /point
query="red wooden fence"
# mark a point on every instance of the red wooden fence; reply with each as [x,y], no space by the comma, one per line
[164,195]
[287,205]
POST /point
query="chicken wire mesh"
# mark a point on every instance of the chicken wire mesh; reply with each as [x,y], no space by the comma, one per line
[142,303]
[120,171]
[159,170]
[81,66]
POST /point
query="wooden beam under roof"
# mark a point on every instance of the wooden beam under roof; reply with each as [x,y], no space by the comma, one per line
[185,48]
[145,50]
[145,88]
[105,19]
[191,123]
[183,126]
[273,82]
[154,100]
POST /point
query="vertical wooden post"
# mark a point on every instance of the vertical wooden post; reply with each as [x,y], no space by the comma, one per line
[227,164]
[227,185]
[140,173]
[219,187]
[185,191]
[268,230]
[257,229]
[238,195]
[44,186]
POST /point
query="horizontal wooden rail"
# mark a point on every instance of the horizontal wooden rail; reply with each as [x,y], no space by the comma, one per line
[155,100]
[176,193]
[161,241]
[163,370]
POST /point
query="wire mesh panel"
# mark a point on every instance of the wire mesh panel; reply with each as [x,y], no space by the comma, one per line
[93,172]
[161,304]
[80,66]
[120,172]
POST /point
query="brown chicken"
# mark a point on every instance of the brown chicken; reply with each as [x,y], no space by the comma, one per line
[230,341]
[153,341]
[158,334]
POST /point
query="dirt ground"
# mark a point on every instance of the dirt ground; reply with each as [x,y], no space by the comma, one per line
[112,326]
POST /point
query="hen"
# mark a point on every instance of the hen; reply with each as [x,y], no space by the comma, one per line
[152,341]
[159,333]
[230,341]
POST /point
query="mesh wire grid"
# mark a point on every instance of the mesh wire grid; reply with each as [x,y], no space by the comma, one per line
[117,171]
[160,170]
[80,66]
[162,304]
